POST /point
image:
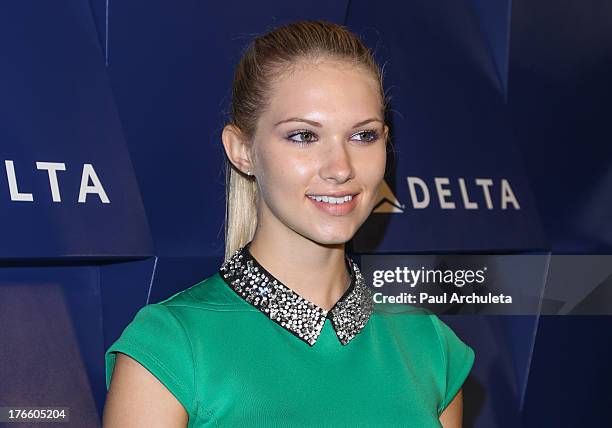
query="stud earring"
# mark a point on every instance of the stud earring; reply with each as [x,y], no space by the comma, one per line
[249,172]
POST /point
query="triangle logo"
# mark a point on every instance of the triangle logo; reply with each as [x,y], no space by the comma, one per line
[387,202]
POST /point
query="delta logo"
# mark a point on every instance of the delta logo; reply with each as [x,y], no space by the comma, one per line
[90,183]
[444,193]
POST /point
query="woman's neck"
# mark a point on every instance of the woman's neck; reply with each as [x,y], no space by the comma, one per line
[317,272]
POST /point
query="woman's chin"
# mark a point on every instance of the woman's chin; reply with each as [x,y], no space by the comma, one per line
[334,237]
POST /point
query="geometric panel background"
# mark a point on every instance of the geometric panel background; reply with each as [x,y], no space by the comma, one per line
[112,189]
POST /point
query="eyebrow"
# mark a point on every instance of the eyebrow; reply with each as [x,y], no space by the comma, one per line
[313,123]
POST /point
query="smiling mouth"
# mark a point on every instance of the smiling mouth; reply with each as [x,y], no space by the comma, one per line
[331,199]
[335,206]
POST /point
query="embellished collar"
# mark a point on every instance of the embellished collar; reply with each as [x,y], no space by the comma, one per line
[287,308]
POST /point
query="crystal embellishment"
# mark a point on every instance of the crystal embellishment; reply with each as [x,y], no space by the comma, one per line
[299,316]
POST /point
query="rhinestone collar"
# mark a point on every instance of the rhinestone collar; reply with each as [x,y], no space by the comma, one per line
[299,316]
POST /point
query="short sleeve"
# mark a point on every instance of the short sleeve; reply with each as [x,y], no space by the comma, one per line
[458,360]
[158,341]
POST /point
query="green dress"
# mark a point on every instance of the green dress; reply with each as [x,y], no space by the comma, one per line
[242,349]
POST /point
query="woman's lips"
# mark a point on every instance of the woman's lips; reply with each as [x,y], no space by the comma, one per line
[336,209]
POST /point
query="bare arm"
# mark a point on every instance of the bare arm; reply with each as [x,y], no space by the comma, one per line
[452,416]
[136,398]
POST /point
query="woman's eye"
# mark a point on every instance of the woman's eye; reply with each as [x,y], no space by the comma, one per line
[368,136]
[307,137]
[303,137]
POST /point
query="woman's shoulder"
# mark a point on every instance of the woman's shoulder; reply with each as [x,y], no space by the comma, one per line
[206,302]
[209,293]
[164,336]
[448,356]
[409,324]
[180,315]
[412,324]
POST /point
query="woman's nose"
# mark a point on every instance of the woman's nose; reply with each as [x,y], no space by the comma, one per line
[336,162]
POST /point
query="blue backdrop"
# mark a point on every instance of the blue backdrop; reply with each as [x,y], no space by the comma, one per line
[112,189]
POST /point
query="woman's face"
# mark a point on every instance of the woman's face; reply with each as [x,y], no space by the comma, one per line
[321,135]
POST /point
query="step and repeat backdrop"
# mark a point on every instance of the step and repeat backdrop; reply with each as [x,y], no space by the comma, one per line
[112,181]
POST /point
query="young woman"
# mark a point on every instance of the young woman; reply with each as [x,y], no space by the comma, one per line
[286,333]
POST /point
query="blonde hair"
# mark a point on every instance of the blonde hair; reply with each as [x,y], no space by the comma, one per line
[267,57]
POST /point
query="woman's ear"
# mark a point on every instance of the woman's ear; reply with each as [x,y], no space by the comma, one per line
[237,148]
[386,132]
